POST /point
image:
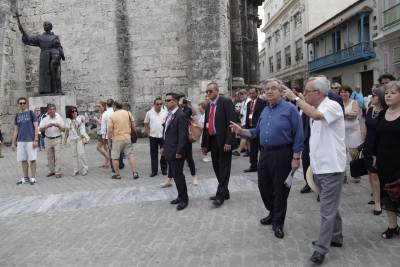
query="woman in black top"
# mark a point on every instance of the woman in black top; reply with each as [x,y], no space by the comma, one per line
[374,114]
[387,157]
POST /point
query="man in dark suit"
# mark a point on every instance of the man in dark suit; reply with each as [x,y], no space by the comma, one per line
[176,136]
[254,109]
[219,139]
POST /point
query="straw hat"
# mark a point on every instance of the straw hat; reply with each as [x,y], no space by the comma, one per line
[310,180]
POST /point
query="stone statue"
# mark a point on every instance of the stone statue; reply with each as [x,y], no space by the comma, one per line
[50,57]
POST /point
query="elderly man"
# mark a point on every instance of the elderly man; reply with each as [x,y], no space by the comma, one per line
[328,159]
[53,127]
[280,133]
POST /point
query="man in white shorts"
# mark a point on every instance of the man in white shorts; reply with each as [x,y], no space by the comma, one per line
[25,141]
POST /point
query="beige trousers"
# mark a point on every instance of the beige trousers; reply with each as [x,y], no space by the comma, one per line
[53,149]
[79,156]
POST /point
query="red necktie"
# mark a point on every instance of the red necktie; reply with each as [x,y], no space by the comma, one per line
[211,120]
[251,106]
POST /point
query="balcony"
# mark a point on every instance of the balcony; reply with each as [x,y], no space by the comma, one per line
[354,54]
[391,16]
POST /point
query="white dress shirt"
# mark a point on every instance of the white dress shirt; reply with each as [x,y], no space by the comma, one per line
[104,122]
[52,131]
[243,111]
[327,141]
[156,121]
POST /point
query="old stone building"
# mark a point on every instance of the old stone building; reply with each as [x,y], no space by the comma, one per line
[130,50]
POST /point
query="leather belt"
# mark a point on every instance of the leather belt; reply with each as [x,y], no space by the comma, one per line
[53,137]
[277,147]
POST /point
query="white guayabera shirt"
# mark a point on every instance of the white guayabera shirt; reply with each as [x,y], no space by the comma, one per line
[327,140]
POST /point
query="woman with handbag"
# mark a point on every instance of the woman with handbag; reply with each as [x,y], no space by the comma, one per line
[352,124]
[77,136]
[388,147]
[373,116]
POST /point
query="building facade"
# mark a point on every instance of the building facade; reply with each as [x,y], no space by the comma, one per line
[132,51]
[388,37]
[342,49]
[284,52]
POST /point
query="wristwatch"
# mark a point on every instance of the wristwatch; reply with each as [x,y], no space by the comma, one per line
[297,98]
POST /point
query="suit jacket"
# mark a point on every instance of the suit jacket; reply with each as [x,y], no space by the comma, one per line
[176,135]
[224,114]
[258,108]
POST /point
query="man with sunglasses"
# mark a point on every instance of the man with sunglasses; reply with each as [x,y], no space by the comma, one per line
[176,135]
[26,136]
[219,139]
[153,123]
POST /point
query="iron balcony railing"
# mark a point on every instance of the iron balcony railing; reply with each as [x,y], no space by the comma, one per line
[391,16]
[356,53]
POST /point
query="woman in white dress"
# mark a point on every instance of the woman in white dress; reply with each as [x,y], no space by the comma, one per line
[352,114]
[75,130]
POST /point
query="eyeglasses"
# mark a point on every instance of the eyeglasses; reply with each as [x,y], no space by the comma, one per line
[22,103]
[167,100]
[309,91]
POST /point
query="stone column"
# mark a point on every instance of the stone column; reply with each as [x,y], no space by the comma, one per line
[236,43]
[245,30]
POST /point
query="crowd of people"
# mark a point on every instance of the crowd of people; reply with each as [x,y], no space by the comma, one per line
[278,128]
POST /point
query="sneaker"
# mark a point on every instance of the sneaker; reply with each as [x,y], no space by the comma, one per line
[32,180]
[23,180]
[206,159]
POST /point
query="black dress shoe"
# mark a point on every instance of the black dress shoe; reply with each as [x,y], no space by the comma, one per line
[278,232]
[218,202]
[267,220]
[333,244]
[250,169]
[306,189]
[181,205]
[175,201]
[215,197]
[317,258]
[153,174]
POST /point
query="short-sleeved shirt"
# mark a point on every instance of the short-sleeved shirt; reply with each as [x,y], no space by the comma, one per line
[327,141]
[156,121]
[120,123]
[52,131]
[24,121]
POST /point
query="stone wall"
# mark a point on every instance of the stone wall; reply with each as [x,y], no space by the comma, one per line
[12,74]
[129,50]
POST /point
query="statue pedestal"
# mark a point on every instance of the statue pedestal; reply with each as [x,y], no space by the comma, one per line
[62,102]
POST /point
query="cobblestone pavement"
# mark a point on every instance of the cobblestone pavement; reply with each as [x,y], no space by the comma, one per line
[95,221]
